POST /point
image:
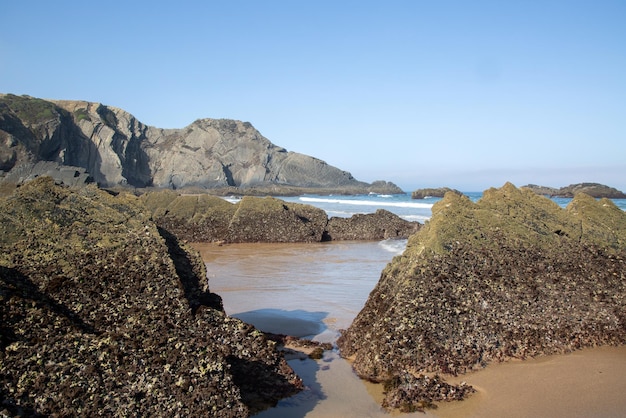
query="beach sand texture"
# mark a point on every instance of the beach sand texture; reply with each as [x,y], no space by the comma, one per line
[319,288]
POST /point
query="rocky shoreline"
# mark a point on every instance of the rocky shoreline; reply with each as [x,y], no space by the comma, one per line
[101,286]
[103,312]
[206,218]
[511,276]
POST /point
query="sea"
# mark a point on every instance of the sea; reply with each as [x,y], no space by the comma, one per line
[314,291]
[401,204]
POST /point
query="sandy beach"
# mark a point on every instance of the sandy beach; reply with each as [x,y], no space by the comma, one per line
[314,290]
[585,383]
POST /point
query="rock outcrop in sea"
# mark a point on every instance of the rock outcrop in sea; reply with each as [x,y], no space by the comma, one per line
[116,149]
[104,313]
[379,225]
[205,218]
[592,189]
[432,192]
[511,276]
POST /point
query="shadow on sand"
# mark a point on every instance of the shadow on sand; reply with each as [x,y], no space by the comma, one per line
[302,324]
[298,323]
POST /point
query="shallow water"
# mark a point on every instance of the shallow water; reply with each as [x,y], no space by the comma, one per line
[307,290]
[323,284]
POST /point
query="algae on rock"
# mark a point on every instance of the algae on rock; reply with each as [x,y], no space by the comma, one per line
[510,276]
[101,312]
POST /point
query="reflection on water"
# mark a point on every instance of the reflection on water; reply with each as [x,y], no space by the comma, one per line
[298,279]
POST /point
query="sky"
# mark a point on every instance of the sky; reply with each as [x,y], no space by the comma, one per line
[464,94]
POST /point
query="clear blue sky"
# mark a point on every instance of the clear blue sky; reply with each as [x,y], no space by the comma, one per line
[467,94]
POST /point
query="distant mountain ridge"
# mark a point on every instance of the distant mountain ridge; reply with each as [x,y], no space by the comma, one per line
[117,149]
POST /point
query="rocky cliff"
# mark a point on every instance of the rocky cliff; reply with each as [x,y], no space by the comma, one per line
[511,276]
[117,149]
[104,313]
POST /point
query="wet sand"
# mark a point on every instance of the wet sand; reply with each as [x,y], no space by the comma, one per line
[586,383]
[314,290]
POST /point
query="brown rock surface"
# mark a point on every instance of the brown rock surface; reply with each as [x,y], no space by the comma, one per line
[372,226]
[511,276]
[432,192]
[103,313]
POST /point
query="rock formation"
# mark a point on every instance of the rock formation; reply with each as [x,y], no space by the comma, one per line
[204,218]
[511,276]
[438,192]
[592,189]
[116,149]
[104,313]
[372,226]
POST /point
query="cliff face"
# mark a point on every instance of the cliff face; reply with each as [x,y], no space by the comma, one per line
[117,149]
[511,276]
[102,312]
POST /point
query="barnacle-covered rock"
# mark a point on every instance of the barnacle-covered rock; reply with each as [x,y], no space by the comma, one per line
[204,218]
[370,226]
[104,313]
[510,276]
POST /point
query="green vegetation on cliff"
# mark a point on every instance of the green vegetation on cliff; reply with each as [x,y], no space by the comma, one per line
[30,110]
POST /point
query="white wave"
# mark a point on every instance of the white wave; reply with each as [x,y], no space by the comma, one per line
[367,202]
[232,199]
[340,213]
[395,246]
[415,218]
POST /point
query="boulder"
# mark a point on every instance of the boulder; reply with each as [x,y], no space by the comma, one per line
[372,226]
[62,174]
[273,220]
[511,276]
[102,312]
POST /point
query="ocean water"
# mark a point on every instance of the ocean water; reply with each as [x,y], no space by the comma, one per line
[346,206]
[401,204]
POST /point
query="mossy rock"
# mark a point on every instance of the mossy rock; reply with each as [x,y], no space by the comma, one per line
[511,276]
[102,310]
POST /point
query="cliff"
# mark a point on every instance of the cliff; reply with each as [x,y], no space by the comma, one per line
[511,276]
[102,312]
[116,149]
